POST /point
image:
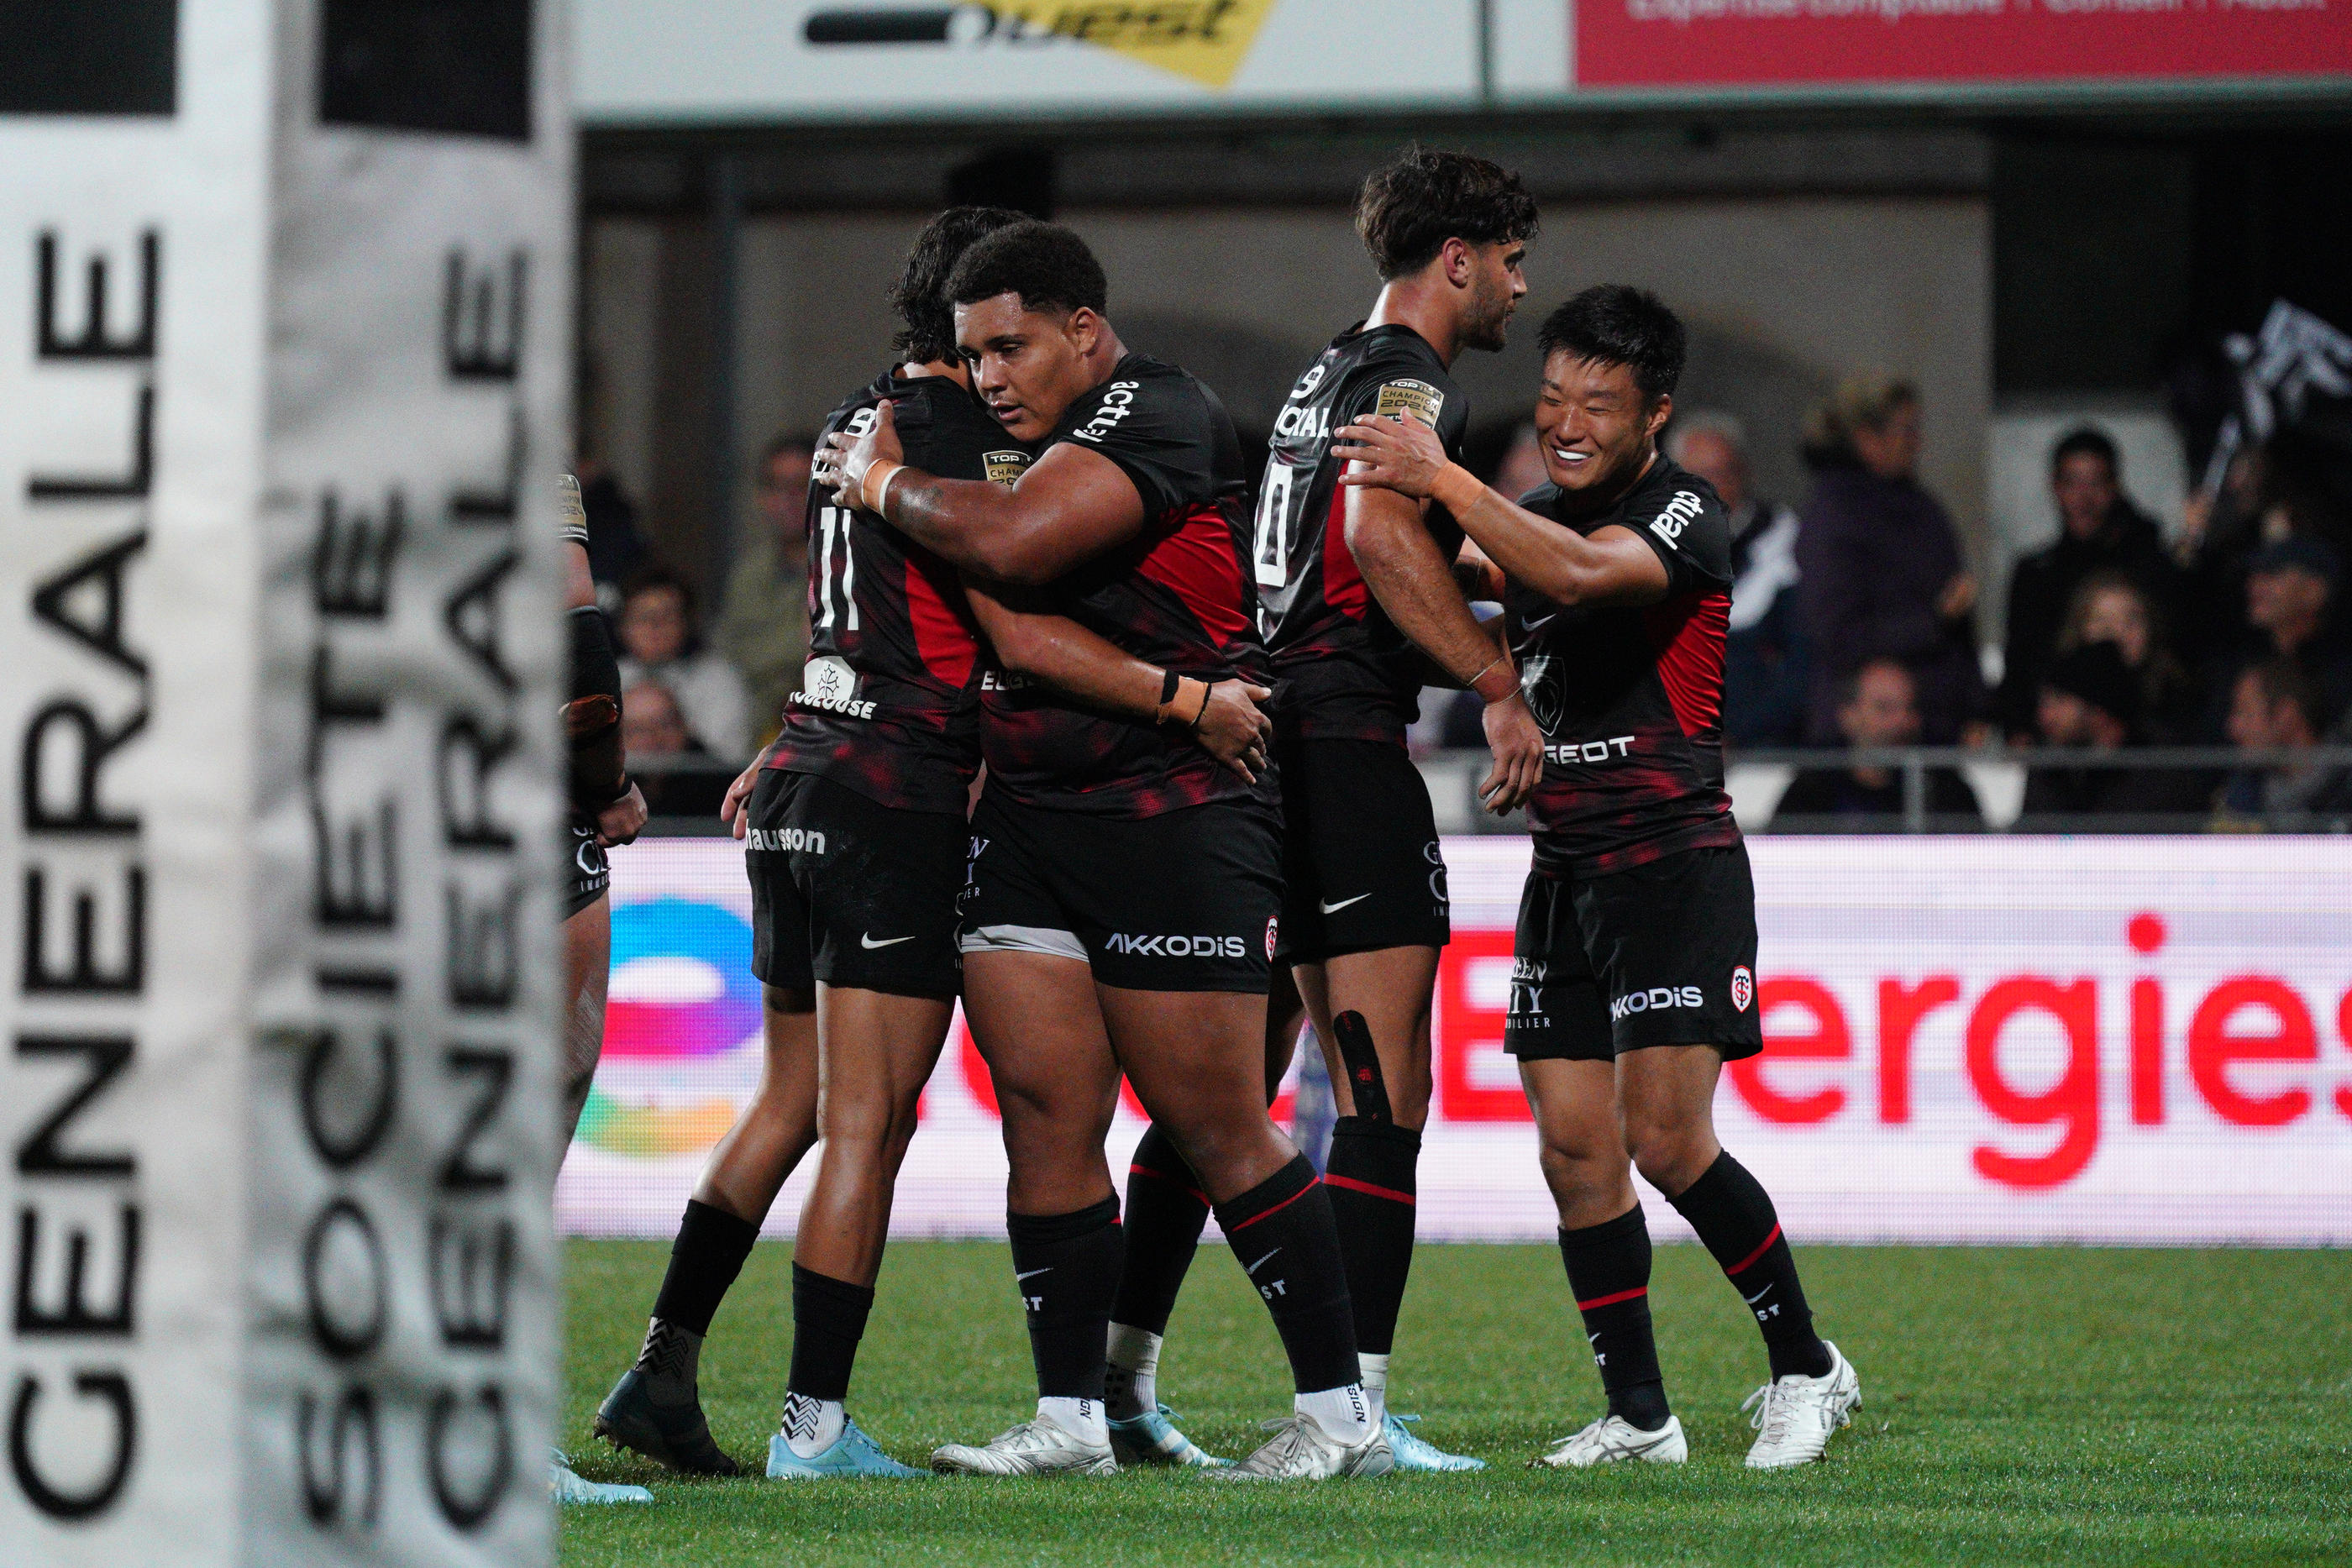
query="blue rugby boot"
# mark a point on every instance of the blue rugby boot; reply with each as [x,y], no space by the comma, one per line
[1414,1453]
[851,1454]
[1151,1438]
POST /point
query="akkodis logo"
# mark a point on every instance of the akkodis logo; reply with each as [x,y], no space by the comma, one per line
[682,983]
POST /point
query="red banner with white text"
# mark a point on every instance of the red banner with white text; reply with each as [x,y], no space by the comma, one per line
[1984,1039]
[1805,43]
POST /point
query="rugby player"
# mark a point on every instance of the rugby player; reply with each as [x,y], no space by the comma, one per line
[1357,592]
[1120,912]
[606,810]
[1634,966]
[854,827]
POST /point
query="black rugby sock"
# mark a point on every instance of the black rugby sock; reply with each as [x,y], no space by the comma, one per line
[1734,1217]
[1370,1181]
[709,1253]
[1068,1267]
[828,1320]
[1608,1275]
[1281,1230]
[1165,1210]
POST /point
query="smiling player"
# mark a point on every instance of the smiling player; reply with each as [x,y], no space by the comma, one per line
[1633,976]
[1122,887]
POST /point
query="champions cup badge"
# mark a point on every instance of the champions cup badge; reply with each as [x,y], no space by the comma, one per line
[1271,925]
[1005,467]
[1418,399]
[1743,987]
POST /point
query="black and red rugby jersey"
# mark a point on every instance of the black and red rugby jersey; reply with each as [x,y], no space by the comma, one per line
[1631,696]
[1176,593]
[1347,673]
[890,703]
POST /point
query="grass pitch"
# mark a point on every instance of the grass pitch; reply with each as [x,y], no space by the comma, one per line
[2049,1406]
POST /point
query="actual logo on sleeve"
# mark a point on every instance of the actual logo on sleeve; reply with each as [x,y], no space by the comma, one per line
[1115,405]
[1680,513]
[1005,468]
[1743,987]
[1418,399]
[1272,931]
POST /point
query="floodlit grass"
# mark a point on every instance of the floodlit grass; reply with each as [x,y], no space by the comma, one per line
[2050,1407]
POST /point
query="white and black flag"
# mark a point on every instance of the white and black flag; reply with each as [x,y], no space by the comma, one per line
[284,306]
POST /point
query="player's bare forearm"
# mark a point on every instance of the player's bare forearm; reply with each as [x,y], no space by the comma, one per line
[1223,719]
[1415,582]
[1062,654]
[1609,565]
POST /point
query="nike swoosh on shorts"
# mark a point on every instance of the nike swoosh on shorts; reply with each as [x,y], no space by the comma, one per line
[1330,908]
[866,941]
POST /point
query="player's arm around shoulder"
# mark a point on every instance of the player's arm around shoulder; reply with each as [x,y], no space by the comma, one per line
[1069,505]
[1609,565]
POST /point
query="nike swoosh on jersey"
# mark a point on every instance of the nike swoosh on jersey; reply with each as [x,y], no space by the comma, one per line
[1330,908]
[1254,1268]
[866,940]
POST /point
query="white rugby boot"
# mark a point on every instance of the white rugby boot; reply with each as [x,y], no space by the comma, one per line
[1301,1450]
[1795,1415]
[1037,1447]
[1612,1440]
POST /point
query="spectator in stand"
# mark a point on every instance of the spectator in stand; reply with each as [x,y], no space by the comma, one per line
[615,549]
[2275,706]
[1763,649]
[2091,701]
[2099,530]
[1877,705]
[763,628]
[658,643]
[1882,573]
[2109,606]
[664,753]
[2291,592]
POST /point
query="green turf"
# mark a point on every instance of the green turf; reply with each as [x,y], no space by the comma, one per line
[2048,1406]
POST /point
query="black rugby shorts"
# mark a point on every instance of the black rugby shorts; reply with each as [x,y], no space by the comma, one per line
[587,873]
[1183,900]
[1663,954]
[850,892]
[1360,863]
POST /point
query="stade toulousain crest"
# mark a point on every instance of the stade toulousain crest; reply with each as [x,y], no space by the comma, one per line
[283,302]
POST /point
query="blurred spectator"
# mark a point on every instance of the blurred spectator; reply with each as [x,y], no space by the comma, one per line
[2290,607]
[1521,469]
[2099,531]
[663,753]
[2109,606]
[1877,705]
[615,549]
[1763,651]
[2275,704]
[763,629]
[657,644]
[2091,701]
[1882,573]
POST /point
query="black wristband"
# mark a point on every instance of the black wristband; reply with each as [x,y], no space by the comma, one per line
[1168,687]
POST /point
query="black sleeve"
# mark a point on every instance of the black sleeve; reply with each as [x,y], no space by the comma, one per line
[1160,432]
[1691,533]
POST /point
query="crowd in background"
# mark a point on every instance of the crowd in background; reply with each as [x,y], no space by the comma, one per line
[1853,624]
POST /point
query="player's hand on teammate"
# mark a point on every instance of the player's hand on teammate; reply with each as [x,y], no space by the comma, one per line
[735,810]
[1233,729]
[1401,454]
[842,461]
[1518,742]
[620,822]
